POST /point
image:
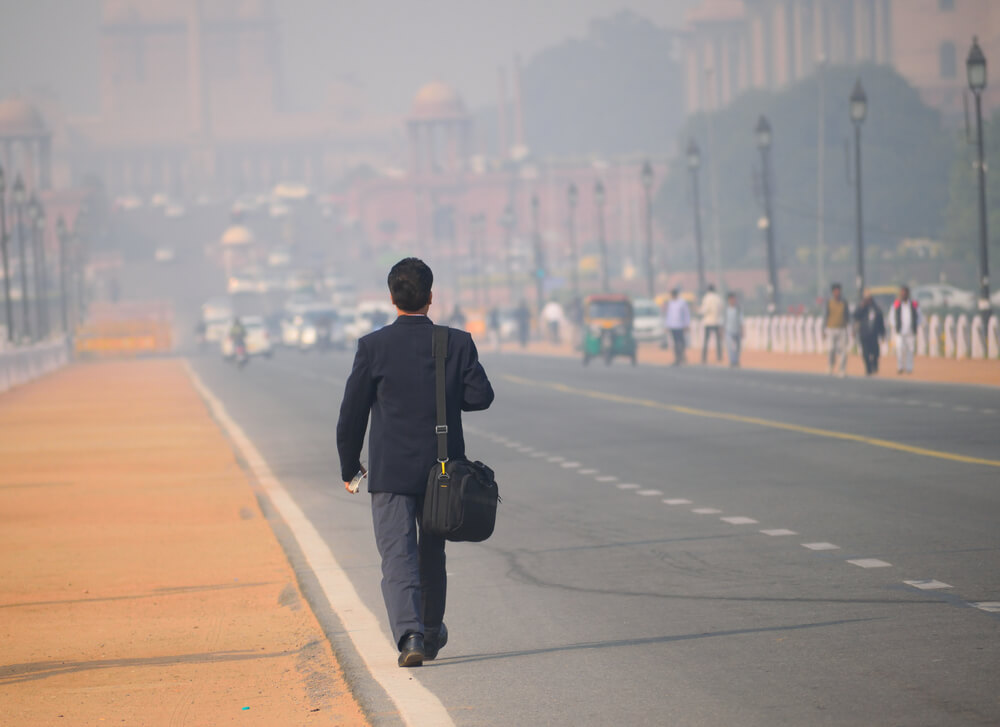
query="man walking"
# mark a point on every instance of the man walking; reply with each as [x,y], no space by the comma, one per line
[871,330]
[835,323]
[906,319]
[677,321]
[711,312]
[734,330]
[393,380]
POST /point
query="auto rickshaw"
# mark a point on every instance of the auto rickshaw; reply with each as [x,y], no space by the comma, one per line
[607,328]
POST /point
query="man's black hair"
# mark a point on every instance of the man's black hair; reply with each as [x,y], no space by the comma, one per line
[711,287]
[410,282]
[836,286]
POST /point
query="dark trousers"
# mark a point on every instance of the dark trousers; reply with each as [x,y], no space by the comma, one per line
[414,581]
[870,353]
[679,345]
[717,332]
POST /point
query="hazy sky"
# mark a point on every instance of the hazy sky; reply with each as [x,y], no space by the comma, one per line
[389,46]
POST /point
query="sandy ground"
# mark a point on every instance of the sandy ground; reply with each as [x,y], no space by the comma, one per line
[967,371]
[139,582]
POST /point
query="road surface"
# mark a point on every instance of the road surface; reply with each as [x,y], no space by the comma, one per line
[688,546]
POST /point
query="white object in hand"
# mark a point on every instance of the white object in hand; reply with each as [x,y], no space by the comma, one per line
[356,482]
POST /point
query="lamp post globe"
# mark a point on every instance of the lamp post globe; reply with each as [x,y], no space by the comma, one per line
[572,195]
[763,133]
[859,103]
[975,67]
[599,192]
[693,155]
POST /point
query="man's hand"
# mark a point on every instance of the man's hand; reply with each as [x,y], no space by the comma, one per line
[347,485]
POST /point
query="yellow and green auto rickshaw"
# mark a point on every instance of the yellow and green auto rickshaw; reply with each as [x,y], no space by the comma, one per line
[607,328]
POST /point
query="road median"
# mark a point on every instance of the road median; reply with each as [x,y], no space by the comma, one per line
[140,583]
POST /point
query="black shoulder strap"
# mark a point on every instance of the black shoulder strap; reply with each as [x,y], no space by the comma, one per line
[440,354]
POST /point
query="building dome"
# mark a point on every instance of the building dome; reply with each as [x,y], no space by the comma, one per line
[20,118]
[236,235]
[437,100]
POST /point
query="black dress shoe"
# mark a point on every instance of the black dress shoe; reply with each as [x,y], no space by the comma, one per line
[411,650]
[434,642]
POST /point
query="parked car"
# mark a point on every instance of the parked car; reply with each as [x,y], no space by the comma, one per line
[258,340]
[648,320]
[939,295]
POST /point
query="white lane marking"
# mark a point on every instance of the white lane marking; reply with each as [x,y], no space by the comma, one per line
[588,472]
[556,459]
[988,606]
[779,531]
[706,511]
[627,486]
[870,563]
[539,455]
[525,450]
[738,520]
[417,705]
[649,493]
[570,465]
[821,546]
[989,411]
[927,584]
[962,408]
[606,478]
[936,404]
[914,402]
[676,502]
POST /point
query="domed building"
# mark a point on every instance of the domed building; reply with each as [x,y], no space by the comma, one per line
[440,131]
[25,144]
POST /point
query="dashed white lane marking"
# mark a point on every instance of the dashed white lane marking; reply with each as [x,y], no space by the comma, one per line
[870,563]
[570,465]
[821,546]
[738,520]
[779,531]
[556,459]
[417,705]
[606,478]
[525,450]
[927,584]
[627,487]
[676,501]
[962,408]
[649,493]
[539,455]
[706,511]
[988,606]
[588,472]
[989,411]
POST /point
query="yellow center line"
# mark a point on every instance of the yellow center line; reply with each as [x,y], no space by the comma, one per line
[757,421]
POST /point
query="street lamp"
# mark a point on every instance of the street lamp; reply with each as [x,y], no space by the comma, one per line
[694,163]
[507,223]
[859,110]
[572,196]
[536,240]
[975,66]
[18,195]
[647,185]
[763,134]
[36,213]
[63,235]
[9,310]
[601,241]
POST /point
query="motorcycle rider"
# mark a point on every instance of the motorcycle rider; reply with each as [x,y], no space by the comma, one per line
[238,335]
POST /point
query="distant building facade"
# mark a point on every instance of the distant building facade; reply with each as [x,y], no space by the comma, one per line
[736,45]
[191,102]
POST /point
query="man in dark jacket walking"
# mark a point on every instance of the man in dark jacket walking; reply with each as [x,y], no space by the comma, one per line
[393,381]
[871,330]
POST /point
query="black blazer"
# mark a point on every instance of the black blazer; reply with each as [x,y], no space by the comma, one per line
[393,378]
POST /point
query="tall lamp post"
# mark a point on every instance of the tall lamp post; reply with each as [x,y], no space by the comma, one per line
[63,234]
[572,196]
[859,110]
[694,163]
[507,223]
[536,240]
[763,133]
[36,213]
[647,185]
[975,67]
[602,242]
[18,194]
[8,308]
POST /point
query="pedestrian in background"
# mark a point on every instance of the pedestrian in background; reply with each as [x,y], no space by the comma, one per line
[906,320]
[552,314]
[393,381]
[711,311]
[835,324]
[523,317]
[677,320]
[493,325]
[733,327]
[871,330]
[457,319]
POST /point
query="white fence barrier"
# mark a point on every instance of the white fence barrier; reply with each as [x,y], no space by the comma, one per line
[951,336]
[21,365]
